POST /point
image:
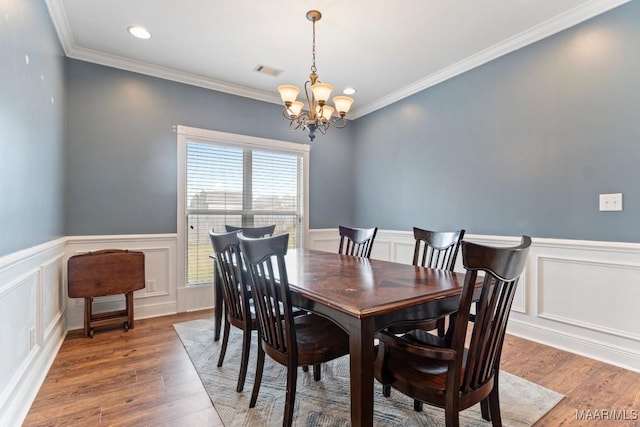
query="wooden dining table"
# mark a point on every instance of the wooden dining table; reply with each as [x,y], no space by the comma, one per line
[364,296]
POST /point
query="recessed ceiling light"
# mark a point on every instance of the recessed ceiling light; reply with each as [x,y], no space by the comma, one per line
[349,91]
[139,32]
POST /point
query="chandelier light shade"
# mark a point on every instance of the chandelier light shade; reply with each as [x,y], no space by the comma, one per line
[317,115]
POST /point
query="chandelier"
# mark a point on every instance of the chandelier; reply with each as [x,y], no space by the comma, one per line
[319,115]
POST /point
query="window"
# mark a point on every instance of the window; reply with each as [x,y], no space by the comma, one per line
[236,180]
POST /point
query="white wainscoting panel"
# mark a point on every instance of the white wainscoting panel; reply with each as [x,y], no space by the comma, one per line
[32,325]
[323,240]
[18,308]
[563,281]
[53,296]
[580,296]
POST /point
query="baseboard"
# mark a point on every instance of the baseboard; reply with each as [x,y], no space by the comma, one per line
[625,358]
[76,320]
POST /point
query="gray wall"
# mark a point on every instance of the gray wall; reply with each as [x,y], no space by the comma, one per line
[121,151]
[32,100]
[523,144]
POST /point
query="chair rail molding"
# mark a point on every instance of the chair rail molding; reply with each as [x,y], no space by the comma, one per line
[577,295]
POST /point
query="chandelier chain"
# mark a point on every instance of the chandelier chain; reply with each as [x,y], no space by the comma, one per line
[313,50]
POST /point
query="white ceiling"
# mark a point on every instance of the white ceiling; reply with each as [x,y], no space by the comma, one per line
[386,49]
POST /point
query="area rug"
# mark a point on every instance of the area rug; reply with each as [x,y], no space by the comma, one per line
[326,402]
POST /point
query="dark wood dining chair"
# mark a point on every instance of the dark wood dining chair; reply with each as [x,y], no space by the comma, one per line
[292,341]
[236,295]
[356,241]
[441,371]
[434,249]
[267,230]
[254,232]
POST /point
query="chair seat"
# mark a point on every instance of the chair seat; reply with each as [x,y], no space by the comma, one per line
[319,340]
[424,337]
[409,369]
[240,323]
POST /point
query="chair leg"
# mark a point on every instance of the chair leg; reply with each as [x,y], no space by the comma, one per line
[484,408]
[290,399]
[258,378]
[494,405]
[451,419]
[225,340]
[244,360]
[317,372]
[219,302]
[386,390]
[451,412]
[417,406]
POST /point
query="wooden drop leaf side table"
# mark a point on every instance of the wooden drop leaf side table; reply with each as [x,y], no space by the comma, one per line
[102,273]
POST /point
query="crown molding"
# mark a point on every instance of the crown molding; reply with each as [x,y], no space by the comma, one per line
[171,74]
[552,26]
[61,24]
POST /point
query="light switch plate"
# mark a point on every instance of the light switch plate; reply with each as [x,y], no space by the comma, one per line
[611,202]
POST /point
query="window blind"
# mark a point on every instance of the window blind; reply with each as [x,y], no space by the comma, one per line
[228,185]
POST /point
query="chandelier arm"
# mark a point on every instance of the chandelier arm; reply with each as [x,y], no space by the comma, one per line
[338,123]
[303,117]
[294,125]
[285,114]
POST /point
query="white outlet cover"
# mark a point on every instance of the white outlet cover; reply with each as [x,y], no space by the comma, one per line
[610,202]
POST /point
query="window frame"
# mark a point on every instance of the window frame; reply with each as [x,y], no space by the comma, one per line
[185,134]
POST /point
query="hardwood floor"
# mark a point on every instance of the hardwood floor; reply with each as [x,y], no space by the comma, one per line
[590,387]
[145,378]
[138,378]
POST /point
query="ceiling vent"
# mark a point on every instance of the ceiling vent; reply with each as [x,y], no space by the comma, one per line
[270,71]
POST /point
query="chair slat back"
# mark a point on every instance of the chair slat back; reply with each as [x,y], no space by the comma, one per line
[502,268]
[356,241]
[230,269]
[436,249]
[254,232]
[270,288]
